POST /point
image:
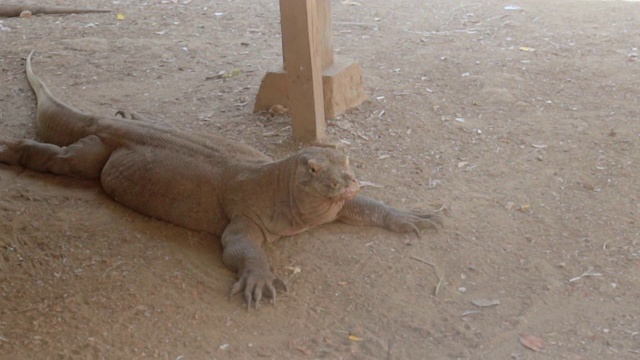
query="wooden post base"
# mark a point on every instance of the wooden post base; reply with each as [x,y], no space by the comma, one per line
[342,88]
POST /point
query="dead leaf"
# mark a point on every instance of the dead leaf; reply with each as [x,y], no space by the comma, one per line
[278,110]
[486,302]
[294,269]
[532,342]
[344,125]
[470,312]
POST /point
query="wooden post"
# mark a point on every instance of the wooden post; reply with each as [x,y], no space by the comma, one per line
[325,33]
[302,64]
[307,42]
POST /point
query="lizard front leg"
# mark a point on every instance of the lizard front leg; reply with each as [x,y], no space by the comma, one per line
[365,211]
[242,252]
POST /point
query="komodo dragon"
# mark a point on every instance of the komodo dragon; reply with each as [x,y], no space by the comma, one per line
[16,10]
[205,183]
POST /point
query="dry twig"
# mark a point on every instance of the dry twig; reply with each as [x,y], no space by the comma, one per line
[436,290]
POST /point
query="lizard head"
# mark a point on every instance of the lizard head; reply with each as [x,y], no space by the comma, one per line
[326,173]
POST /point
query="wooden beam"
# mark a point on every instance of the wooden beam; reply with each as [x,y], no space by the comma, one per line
[302,62]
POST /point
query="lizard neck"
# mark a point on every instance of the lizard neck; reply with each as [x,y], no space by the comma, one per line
[308,209]
[273,198]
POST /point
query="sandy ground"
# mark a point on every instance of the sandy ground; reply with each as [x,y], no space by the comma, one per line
[520,125]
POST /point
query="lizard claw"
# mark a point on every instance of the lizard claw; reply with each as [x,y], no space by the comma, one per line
[255,284]
[411,221]
[429,221]
[130,115]
[7,153]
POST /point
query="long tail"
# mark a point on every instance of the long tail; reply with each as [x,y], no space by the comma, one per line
[58,123]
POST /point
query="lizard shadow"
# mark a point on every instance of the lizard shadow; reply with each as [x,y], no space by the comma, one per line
[199,253]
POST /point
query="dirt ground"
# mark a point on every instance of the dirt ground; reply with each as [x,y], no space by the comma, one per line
[517,120]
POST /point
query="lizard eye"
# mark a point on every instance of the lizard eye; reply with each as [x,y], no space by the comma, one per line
[335,185]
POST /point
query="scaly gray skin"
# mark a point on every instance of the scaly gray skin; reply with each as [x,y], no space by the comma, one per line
[16,10]
[207,183]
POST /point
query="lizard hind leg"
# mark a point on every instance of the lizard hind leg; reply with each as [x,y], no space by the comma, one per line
[83,159]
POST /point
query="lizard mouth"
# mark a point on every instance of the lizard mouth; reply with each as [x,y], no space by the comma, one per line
[350,191]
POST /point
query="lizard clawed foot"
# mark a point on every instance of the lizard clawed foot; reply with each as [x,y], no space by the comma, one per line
[427,221]
[411,221]
[8,155]
[256,283]
[131,115]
